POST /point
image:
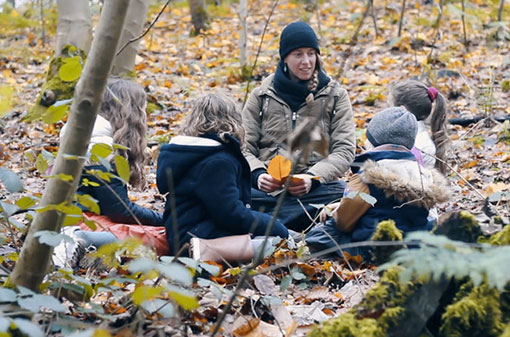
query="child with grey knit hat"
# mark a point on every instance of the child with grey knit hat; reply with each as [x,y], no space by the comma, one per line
[398,188]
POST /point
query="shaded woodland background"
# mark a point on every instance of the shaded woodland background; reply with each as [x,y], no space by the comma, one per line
[464,54]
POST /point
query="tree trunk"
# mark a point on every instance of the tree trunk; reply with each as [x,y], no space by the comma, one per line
[74,25]
[199,16]
[243,39]
[135,19]
[34,258]
[500,10]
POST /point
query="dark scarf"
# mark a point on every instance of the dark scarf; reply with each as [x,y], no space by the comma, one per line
[292,92]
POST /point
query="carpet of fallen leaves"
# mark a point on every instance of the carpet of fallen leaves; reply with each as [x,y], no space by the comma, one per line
[174,68]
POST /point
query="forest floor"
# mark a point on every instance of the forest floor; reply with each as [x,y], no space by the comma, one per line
[174,68]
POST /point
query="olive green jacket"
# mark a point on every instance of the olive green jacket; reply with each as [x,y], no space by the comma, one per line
[268,120]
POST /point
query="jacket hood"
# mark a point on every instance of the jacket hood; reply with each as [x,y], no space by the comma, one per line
[406,181]
[181,155]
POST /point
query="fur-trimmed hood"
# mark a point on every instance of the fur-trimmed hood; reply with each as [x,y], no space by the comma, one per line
[406,181]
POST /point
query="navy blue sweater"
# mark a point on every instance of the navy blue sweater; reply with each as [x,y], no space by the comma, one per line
[109,203]
[211,184]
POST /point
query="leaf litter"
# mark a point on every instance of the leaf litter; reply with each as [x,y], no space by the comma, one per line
[284,298]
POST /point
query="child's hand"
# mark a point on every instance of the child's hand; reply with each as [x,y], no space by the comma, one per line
[328,210]
[268,184]
[300,186]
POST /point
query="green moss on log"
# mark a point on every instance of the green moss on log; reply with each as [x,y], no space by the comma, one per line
[60,89]
[381,309]
[386,231]
[460,226]
[474,313]
[501,238]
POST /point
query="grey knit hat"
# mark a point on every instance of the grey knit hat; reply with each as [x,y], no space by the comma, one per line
[297,35]
[393,126]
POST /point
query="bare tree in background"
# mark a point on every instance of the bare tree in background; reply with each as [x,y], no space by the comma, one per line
[243,39]
[199,16]
[124,63]
[74,25]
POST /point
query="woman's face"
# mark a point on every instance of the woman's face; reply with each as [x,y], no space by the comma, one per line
[301,63]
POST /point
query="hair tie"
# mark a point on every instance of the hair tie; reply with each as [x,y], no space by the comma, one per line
[432,92]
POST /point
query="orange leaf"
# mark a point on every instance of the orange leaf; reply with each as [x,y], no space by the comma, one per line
[243,325]
[470,164]
[295,181]
[279,167]
[357,258]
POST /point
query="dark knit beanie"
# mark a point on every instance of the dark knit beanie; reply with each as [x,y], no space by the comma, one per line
[393,126]
[297,35]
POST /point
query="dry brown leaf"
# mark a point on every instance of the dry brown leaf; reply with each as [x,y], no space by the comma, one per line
[244,324]
[497,187]
[265,284]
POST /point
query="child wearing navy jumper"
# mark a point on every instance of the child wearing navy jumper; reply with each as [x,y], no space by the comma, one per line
[388,171]
[211,182]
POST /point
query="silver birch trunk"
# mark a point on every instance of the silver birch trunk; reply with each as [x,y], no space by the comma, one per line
[74,25]
[199,16]
[500,10]
[243,15]
[34,259]
[124,63]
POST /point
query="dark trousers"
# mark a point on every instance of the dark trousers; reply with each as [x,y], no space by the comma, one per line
[292,213]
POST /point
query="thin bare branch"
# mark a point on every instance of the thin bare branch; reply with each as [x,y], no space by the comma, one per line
[258,51]
[146,31]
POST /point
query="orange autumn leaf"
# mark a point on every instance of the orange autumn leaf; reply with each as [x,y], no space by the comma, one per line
[355,258]
[279,167]
[470,164]
[295,180]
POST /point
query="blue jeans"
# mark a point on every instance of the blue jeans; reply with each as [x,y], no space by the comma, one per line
[291,213]
[96,239]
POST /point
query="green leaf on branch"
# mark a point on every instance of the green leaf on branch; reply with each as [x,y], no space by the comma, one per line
[55,113]
[41,164]
[165,308]
[7,295]
[51,238]
[144,293]
[6,94]
[71,220]
[122,167]
[183,298]
[7,208]
[176,272]
[26,202]
[4,324]
[28,328]
[101,150]
[71,69]
[11,180]
[89,202]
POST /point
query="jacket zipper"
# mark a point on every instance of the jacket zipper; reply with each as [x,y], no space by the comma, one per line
[294,117]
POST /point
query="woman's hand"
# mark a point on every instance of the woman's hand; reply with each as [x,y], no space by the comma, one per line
[268,184]
[301,186]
